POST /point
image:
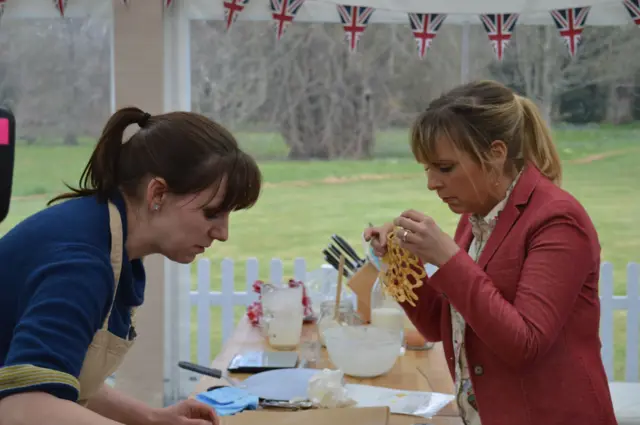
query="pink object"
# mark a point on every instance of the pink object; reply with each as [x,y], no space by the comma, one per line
[254,311]
[4,131]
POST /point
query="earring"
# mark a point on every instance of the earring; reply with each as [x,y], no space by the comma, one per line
[156,207]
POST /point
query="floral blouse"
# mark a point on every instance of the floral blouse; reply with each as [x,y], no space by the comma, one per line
[465,396]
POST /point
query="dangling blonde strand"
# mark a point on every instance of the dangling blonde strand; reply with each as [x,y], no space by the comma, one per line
[538,145]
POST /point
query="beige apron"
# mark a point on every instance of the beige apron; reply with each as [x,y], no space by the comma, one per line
[106,352]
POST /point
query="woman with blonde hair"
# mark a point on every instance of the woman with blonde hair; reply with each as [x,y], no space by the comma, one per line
[515,297]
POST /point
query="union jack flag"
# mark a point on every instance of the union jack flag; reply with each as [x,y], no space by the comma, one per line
[61,5]
[425,27]
[232,9]
[283,12]
[633,7]
[570,23]
[499,27]
[354,20]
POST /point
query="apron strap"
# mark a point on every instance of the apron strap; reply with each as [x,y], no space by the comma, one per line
[115,227]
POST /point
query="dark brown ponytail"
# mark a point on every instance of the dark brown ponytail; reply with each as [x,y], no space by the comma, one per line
[100,175]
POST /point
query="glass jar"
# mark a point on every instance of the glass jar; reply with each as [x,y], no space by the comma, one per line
[413,338]
[326,318]
[386,312]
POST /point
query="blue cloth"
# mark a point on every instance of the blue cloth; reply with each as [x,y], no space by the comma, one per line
[56,287]
[228,401]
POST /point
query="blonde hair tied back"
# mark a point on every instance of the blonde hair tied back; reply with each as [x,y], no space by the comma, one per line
[538,146]
[473,115]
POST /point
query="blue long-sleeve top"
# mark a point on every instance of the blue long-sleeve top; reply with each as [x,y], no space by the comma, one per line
[56,287]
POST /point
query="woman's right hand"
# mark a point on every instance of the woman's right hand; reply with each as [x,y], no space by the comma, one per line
[378,237]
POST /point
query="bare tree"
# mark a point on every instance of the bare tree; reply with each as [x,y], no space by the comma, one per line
[540,64]
[325,101]
[61,73]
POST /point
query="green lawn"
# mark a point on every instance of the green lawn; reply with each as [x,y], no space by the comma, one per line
[304,203]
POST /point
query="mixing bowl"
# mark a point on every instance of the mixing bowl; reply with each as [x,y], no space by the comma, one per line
[363,351]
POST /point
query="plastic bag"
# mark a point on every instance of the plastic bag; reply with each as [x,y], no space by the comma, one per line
[327,389]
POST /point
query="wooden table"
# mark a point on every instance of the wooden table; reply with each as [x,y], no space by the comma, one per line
[415,371]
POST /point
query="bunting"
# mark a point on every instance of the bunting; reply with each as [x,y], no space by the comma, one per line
[232,9]
[283,12]
[354,20]
[633,7]
[499,27]
[425,27]
[570,23]
[61,6]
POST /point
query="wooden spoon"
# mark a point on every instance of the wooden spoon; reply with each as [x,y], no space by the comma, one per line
[336,314]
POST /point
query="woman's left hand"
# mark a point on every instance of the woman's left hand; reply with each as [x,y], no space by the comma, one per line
[421,235]
[187,412]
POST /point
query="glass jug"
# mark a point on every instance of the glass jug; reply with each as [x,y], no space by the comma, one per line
[387,312]
[282,316]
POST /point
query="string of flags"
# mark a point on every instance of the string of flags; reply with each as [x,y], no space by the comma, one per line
[61,6]
[570,22]
[232,9]
[499,27]
[354,21]
[633,7]
[425,27]
[283,13]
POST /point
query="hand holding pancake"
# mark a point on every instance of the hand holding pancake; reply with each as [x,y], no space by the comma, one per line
[420,235]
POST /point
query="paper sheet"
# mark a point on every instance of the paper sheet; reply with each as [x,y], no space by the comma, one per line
[417,403]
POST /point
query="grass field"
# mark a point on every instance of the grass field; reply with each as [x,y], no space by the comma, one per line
[304,203]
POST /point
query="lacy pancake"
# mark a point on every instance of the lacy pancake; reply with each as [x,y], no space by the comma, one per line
[404,272]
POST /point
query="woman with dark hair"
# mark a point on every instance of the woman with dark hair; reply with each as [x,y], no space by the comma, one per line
[515,297]
[72,274]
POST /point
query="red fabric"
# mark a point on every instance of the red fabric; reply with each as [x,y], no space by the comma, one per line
[532,311]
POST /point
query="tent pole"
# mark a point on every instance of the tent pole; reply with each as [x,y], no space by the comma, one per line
[464,52]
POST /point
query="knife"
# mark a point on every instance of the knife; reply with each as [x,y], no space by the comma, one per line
[347,248]
[355,265]
[329,258]
[334,261]
[214,373]
[337,254]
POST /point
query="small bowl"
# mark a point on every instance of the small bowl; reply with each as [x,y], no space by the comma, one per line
[363,351]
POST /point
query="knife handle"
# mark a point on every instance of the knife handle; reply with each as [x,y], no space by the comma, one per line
[339,254]
[202,370]
[329,258]
[346,247]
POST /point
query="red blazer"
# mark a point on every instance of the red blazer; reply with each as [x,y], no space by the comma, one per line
[532,311]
